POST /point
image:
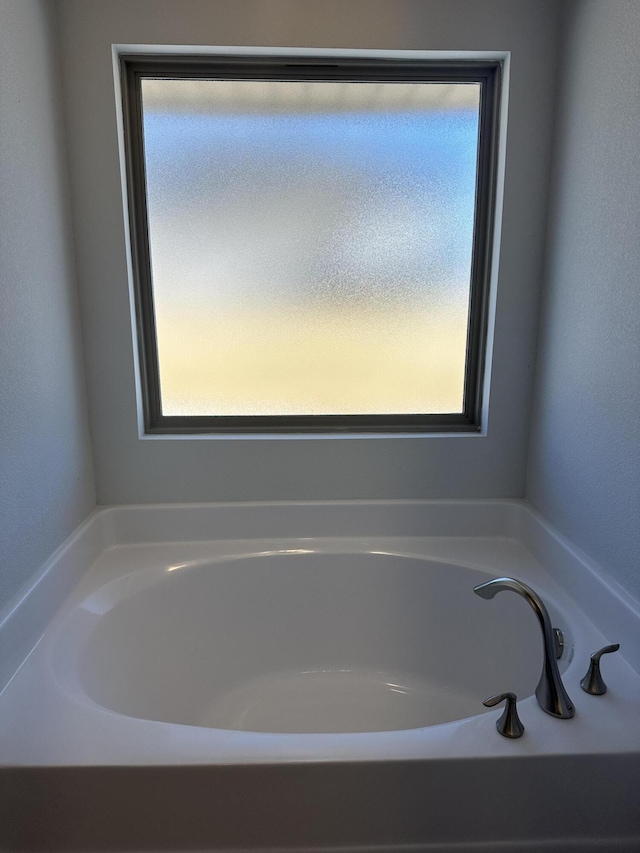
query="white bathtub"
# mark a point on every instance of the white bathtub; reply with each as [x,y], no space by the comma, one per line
[326,665]
[319,639]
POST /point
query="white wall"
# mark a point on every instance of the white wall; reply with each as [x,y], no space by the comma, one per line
[584,465]
[46,476]
[133,470]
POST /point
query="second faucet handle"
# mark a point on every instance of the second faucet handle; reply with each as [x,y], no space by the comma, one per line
[593,682]
[509,724]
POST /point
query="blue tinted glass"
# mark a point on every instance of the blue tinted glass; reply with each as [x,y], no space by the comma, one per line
[311,244]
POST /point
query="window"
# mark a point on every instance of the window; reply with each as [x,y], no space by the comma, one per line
[310,240]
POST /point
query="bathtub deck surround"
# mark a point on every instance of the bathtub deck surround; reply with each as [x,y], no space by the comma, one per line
[328,652]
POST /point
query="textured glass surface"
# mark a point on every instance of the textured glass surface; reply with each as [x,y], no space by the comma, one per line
[310,244]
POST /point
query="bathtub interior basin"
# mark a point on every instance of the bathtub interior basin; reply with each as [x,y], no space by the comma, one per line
[306,642]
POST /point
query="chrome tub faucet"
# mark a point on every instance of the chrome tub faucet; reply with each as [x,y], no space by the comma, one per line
[550,692]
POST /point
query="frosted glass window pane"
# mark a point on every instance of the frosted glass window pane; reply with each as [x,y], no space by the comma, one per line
[310,244]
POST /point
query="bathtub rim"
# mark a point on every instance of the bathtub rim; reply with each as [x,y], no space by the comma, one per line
[25,617]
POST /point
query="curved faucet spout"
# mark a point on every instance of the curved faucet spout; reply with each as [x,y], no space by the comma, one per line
[550,692]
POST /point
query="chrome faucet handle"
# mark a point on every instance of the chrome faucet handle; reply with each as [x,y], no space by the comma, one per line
[593,682]
[509,724]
